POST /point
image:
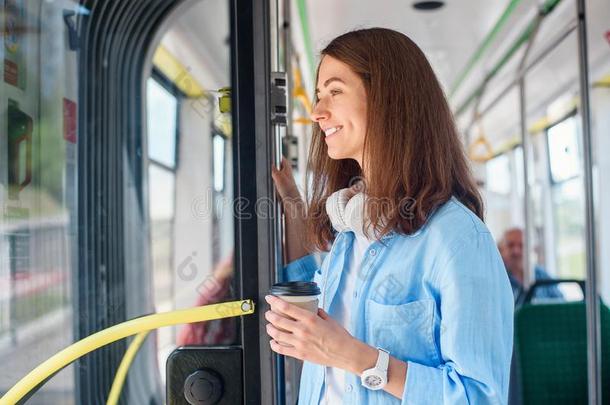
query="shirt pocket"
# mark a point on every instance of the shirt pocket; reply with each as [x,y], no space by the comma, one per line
[405,330]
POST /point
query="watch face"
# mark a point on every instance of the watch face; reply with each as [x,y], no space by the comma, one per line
[373,381]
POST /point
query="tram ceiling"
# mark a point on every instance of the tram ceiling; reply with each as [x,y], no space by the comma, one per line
[449,36]
[446,41]
[206,60]
[465,40]
[551,75]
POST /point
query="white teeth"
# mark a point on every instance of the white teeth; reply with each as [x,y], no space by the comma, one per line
[332,130]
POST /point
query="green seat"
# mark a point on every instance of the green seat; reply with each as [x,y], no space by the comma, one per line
[551,353]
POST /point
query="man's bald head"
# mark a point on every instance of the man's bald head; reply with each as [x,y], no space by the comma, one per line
[511,249]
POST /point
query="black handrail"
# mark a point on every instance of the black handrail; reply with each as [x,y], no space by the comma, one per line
[527,297]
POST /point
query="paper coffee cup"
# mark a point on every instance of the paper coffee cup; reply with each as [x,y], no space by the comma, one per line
[303,294]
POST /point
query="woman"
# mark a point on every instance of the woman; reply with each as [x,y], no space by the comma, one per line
[413,277]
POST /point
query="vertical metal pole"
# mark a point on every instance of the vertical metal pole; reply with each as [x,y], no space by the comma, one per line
[277,66]
[279,263]
[290,364]
[593,327]
[254,226]
[528,274]
[287,43]
[527,212]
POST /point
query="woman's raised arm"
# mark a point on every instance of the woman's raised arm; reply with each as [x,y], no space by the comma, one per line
[294,211]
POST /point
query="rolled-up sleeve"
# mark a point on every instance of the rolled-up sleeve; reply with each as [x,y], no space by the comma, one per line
[476,330]
[301,269]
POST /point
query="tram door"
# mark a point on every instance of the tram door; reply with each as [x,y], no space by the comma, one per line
[136,149]
[211,208]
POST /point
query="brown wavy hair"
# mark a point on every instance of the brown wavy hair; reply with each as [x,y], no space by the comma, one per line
[414,157]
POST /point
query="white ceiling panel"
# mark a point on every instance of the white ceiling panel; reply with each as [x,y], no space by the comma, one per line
[449,37]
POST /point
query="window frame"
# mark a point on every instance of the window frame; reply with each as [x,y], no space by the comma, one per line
[168,85]
[554,185]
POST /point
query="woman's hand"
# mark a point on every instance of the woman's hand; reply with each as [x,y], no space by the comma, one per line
[284,182]
[294,211]
[316,338]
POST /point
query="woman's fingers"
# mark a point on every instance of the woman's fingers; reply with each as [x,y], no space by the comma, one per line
[284,350]
[286,166]
[284,181]
[284,170]
[280,336]
[280,321]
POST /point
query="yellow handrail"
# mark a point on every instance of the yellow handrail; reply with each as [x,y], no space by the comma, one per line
[120,331]
[121,373]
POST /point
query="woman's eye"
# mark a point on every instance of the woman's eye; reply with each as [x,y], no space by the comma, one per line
[335,92]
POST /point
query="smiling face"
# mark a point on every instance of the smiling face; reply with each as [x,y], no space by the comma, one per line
[340,109]
[392,117]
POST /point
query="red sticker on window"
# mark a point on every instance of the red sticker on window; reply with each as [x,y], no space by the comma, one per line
[11,72]
[69,120]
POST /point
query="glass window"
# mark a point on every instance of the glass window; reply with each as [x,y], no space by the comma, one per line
[42,309]
[564,151]
[161,193]
[567,194]
[497,194]
[162,124]
[498,174]
[162,110]
[518,175]
[38,192]
[219,162]
[568,207]
[161,206]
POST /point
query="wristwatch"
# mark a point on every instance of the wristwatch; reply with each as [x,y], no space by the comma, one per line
[377,377]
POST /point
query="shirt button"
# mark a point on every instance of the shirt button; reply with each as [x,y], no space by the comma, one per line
[349,388]
[373,252]
[355,294]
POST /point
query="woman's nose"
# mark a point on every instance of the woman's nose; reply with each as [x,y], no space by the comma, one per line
[319,113]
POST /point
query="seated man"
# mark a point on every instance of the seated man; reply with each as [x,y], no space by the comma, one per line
[511,249]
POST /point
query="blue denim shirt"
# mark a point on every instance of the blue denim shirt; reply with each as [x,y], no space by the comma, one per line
[438,299]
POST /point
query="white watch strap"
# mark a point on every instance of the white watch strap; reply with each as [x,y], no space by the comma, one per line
[383,360]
